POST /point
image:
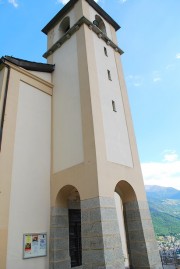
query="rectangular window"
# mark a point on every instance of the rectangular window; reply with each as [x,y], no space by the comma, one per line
[105,52]
[114,106]
[109,75]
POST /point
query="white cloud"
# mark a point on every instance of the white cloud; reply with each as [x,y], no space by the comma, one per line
[156,79]
[63,1]
[13,2]
[178,56]
[170,156]
[135,80]
[170,66]
[66,1]
[156,76]
[165,173]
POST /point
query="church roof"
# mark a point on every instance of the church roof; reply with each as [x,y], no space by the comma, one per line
[69,5]
[28,65]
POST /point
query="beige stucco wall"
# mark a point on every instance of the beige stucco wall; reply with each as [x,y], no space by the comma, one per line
[67,122]
[95,175]
[6,159]
[43,75]
[83,175]
[115,127]
[10,215]
[30,187]
[107,152]
[109,173]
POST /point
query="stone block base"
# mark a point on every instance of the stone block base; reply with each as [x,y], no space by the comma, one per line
[59,239]
[101,243]
[142,244]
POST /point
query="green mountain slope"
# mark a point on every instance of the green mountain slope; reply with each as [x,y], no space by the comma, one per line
[164,204]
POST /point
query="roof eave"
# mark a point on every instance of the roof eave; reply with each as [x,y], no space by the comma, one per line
[31,66]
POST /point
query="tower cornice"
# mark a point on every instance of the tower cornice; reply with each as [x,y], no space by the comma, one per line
[75,28]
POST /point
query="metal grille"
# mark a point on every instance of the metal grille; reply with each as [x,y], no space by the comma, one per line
[75,247]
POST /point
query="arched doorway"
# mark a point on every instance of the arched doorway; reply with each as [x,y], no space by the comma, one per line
[66,228]
[124,194]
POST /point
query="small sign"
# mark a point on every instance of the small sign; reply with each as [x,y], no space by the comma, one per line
[34,245]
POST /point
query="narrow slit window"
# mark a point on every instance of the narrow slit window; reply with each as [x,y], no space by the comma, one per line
[114,106]
[105,51]
[109,75]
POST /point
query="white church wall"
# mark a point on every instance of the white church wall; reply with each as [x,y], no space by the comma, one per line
[115,127]
[30,189]
[67,122]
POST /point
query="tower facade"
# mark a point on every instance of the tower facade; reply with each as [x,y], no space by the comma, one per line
[94,153]
[69,168]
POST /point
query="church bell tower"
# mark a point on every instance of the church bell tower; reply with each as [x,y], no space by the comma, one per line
[99,212]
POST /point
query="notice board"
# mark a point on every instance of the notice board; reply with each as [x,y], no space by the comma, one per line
[34,245]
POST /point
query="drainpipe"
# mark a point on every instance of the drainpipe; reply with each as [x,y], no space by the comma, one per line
[5,99]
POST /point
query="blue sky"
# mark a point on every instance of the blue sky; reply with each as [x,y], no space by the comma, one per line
[151,41]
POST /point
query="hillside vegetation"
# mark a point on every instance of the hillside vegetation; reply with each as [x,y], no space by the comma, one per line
[164,204]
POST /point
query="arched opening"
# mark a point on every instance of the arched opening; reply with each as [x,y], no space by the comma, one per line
[100,24]
[69,198]
[124,193]
[139,237]
[122,230]
[68,222]
[64,25]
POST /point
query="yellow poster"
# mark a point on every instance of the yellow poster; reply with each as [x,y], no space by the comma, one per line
[28,238]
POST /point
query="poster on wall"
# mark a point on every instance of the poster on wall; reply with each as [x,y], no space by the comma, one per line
[34,245]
